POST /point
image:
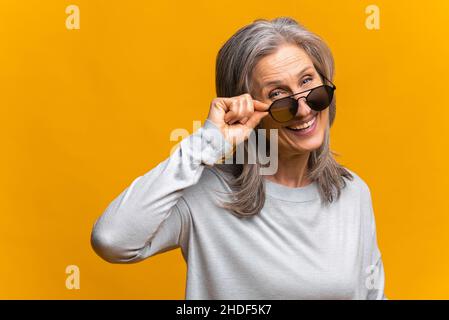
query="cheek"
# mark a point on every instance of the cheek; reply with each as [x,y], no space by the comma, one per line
[324,119]
[268,123]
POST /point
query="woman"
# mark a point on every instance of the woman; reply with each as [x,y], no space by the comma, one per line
[306,231]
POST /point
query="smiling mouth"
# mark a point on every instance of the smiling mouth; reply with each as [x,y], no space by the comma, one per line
[303,126]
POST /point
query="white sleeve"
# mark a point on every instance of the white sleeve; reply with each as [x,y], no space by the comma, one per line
[374,273]
[146,218]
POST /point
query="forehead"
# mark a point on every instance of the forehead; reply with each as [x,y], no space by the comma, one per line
[287,61]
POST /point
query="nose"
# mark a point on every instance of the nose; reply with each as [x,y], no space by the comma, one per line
[303,108]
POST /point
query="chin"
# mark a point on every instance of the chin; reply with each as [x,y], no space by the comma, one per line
[310,146]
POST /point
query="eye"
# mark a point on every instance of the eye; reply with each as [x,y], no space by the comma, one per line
[275,94]
[305,80]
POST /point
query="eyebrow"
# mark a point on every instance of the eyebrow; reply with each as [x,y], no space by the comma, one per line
[276,82]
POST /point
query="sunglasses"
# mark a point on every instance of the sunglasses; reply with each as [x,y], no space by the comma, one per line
[318,99]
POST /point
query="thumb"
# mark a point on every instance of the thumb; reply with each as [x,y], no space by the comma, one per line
[255,118]
[260,106]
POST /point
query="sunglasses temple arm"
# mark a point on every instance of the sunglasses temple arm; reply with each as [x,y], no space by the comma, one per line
[335,87]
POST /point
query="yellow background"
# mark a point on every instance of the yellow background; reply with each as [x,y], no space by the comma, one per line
[84,112]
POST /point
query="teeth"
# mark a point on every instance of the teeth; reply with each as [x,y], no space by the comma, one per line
[304,125]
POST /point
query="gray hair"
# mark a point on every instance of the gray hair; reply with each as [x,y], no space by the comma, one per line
[234,65]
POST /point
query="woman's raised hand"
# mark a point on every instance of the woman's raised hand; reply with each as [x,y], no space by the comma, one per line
[237,116]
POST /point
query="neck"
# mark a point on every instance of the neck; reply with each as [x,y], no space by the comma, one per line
[292,170]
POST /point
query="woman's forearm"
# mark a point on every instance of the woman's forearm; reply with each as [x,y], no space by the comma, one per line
[130,222]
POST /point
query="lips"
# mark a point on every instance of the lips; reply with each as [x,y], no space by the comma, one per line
[303,125]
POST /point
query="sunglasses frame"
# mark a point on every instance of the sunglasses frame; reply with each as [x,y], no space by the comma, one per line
[333,87]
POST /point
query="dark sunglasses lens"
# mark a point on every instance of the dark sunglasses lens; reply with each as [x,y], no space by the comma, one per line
[320,98]
[284,110]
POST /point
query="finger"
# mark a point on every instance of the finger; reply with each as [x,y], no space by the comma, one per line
[254,120]
[248,107]
[232,121]
[233,109]
[223,103]
[244,120]
[260,106]
[230,116]
[244,108]
[239,110]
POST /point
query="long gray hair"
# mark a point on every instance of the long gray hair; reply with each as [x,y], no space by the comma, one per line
[234,65]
